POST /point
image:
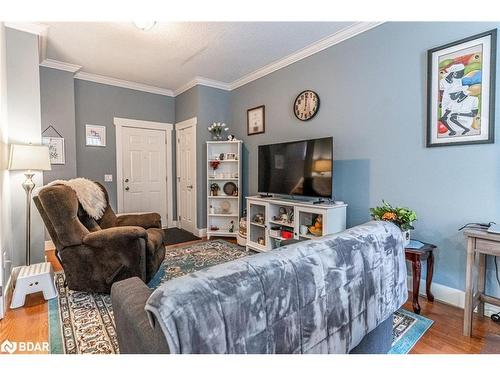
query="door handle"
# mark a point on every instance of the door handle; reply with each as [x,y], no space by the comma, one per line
[189,186]
[126,180]
[127,188]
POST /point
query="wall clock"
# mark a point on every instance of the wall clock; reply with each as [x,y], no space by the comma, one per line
[306,105]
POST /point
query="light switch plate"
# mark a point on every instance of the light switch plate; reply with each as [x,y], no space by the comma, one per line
[108,178]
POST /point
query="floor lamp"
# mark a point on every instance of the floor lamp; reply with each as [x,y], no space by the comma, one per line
[37,277]
[29,158]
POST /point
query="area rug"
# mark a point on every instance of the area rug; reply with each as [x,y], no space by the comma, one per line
[174,236]
[83,323]
[407,329]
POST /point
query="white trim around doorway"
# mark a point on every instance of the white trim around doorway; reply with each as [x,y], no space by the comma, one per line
[192,122]
[120,123]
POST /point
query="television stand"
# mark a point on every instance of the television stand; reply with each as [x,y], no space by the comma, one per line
[270,221]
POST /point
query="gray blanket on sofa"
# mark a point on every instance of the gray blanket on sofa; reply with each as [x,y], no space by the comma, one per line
[320,296]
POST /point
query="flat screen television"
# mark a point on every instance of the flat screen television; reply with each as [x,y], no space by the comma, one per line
[303,168]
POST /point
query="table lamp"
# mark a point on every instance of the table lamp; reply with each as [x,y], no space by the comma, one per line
[29,158]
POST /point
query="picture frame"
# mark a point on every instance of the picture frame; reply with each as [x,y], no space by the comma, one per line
[256,120]
[461,91]
[56,149]
[95,135]
[230,156]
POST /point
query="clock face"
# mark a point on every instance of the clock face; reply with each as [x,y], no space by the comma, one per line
[306,105]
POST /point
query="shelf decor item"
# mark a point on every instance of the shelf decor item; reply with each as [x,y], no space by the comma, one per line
[403,217]
[215,164]
[216,129]
[214,189]
[229,188]
[461,91]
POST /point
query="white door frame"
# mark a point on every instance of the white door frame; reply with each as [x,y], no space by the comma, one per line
[121,123]
[183,125]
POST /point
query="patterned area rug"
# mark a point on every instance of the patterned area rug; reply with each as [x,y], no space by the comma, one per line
[407,329]
[82,323]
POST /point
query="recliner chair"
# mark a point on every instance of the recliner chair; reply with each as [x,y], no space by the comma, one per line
[95,254]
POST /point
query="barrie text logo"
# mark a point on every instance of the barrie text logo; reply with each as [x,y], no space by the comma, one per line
[23,346]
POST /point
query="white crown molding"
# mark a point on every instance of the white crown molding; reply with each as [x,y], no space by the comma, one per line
[203,82]
[60,65]
[28,27]
[340,36]
[122,83]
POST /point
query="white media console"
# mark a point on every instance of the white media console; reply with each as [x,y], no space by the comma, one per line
[272,220]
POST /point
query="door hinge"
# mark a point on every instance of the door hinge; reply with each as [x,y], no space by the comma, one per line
[179,217]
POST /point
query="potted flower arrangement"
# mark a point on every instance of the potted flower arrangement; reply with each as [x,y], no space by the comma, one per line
[216,130]
[214,189]
[403,217]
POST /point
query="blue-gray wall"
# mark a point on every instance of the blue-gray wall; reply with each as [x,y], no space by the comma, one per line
[98,104]
[373,101]
[208,105]
[57,96]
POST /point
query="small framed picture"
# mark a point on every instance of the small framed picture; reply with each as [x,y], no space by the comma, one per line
[256,120]
[56,149]
[461,91]
[95,135]
[230,156]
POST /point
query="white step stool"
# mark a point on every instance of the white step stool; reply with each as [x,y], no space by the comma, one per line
[31,279]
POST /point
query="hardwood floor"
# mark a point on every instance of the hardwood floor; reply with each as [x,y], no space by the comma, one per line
[30,323]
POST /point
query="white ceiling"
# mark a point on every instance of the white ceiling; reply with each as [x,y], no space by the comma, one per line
[172,54]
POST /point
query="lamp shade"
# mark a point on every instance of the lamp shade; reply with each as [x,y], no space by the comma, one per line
[322,165]
[29,157]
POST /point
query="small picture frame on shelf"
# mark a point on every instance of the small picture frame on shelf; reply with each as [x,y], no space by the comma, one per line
[230,156]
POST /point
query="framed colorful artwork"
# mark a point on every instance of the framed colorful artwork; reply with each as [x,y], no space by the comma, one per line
[256,120]
[95,135]
[461,91]
[56,149]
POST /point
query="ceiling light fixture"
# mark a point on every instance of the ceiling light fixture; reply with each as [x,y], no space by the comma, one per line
[144,25]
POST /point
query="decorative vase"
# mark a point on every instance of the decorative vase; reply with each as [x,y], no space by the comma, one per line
[216,137]
[406,237]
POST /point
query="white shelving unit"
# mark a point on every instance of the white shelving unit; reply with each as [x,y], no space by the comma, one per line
[260,235]
[229,170]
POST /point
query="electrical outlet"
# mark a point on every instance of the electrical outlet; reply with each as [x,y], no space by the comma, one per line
[108,178]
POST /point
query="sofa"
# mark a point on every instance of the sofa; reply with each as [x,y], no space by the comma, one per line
[96,253]
[336,294]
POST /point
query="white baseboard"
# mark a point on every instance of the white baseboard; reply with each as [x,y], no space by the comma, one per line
[202,232]
[451,296]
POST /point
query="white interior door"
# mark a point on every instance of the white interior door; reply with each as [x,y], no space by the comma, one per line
[144,171]
[186,178]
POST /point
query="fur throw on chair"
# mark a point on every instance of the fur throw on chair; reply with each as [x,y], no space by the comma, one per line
[89,194]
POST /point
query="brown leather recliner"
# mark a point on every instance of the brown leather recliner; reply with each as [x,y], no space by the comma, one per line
[95,254]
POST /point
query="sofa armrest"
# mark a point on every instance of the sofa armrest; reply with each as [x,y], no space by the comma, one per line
[146,221]
[133,329]
[117,237]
